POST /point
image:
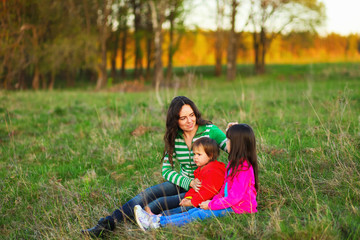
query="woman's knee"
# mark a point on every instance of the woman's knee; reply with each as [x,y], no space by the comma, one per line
[158,190]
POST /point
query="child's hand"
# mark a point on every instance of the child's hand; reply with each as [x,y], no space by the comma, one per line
[186,203]
[230,124]
[195,184]
[205,205]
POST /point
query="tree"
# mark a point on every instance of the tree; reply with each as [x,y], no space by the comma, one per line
[21,35]
[270,18]
[176,21]
[219,36]
[232,51]
[149,41]
[103,30]
[42,39]
[138,7]
[158,17]
[118,36]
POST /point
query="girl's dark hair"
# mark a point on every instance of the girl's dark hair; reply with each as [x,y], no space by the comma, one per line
[210,146]
[242,148]
[172,126]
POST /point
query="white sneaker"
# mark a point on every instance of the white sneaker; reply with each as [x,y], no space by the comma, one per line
[145,220]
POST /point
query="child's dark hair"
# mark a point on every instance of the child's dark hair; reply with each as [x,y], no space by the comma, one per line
[210,146]
[242,148]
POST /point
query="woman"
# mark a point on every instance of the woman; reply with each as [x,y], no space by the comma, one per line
[184,125]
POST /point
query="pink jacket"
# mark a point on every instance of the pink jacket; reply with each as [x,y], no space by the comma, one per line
[241,192]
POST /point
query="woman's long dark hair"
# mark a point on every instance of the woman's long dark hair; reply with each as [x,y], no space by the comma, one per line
[172,125]
[242,148]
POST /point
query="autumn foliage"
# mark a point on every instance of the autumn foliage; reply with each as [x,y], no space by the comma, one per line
[197,48]
[46,44]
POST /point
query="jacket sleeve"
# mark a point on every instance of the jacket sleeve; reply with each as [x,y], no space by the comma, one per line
[190,193]
[210,186]
[221,193]
[174,177]
[241,183]
[219,136]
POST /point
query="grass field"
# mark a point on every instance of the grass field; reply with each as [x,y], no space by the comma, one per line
[68,158]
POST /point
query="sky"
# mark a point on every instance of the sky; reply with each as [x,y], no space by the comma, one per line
[343,16]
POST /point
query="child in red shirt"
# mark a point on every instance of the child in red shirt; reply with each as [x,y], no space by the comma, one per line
[210,173]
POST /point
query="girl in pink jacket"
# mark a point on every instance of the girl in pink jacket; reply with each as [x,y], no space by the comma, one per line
[238,193]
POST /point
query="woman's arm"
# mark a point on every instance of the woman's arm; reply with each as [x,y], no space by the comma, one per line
[174,177]
[219,136]
[230,124]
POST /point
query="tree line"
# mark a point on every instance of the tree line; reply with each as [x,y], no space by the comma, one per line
[197,48]
[46,40]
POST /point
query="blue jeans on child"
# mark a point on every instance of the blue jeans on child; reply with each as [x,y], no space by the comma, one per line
[192,215]
[161,197]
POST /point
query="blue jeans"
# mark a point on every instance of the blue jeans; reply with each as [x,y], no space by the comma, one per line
[192,215]
[161,197]
[176,210]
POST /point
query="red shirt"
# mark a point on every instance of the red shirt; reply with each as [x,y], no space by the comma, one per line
[212,177]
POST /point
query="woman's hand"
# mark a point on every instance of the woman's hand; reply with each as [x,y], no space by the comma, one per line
[205,205]
[230,124]
[186,203]
[195,184]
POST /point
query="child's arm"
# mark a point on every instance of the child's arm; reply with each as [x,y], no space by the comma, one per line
[240,186]
[205,205]
[186,202]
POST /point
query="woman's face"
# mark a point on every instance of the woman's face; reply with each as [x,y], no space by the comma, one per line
[187,119]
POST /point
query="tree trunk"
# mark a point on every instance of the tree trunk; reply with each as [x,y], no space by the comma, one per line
[114,56]
[263,50]
[52,81]
[260,46]
[219,38]
[218,52]
[123,53]
[158,17]
[149,50]
[113,67]
[232,50]
[149,43]
[43,82]
[103,35]
[137,5]
[256,53]
[171,50]
[36,79]
[102,77]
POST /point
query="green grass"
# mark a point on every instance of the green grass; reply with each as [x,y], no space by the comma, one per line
[68,158]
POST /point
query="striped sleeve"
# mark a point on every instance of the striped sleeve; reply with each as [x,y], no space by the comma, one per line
[219,136]
[174,177]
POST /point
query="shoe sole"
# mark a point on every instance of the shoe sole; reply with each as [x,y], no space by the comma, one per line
[137,218]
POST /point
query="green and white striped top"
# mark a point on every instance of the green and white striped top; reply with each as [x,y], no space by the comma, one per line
[185,156]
